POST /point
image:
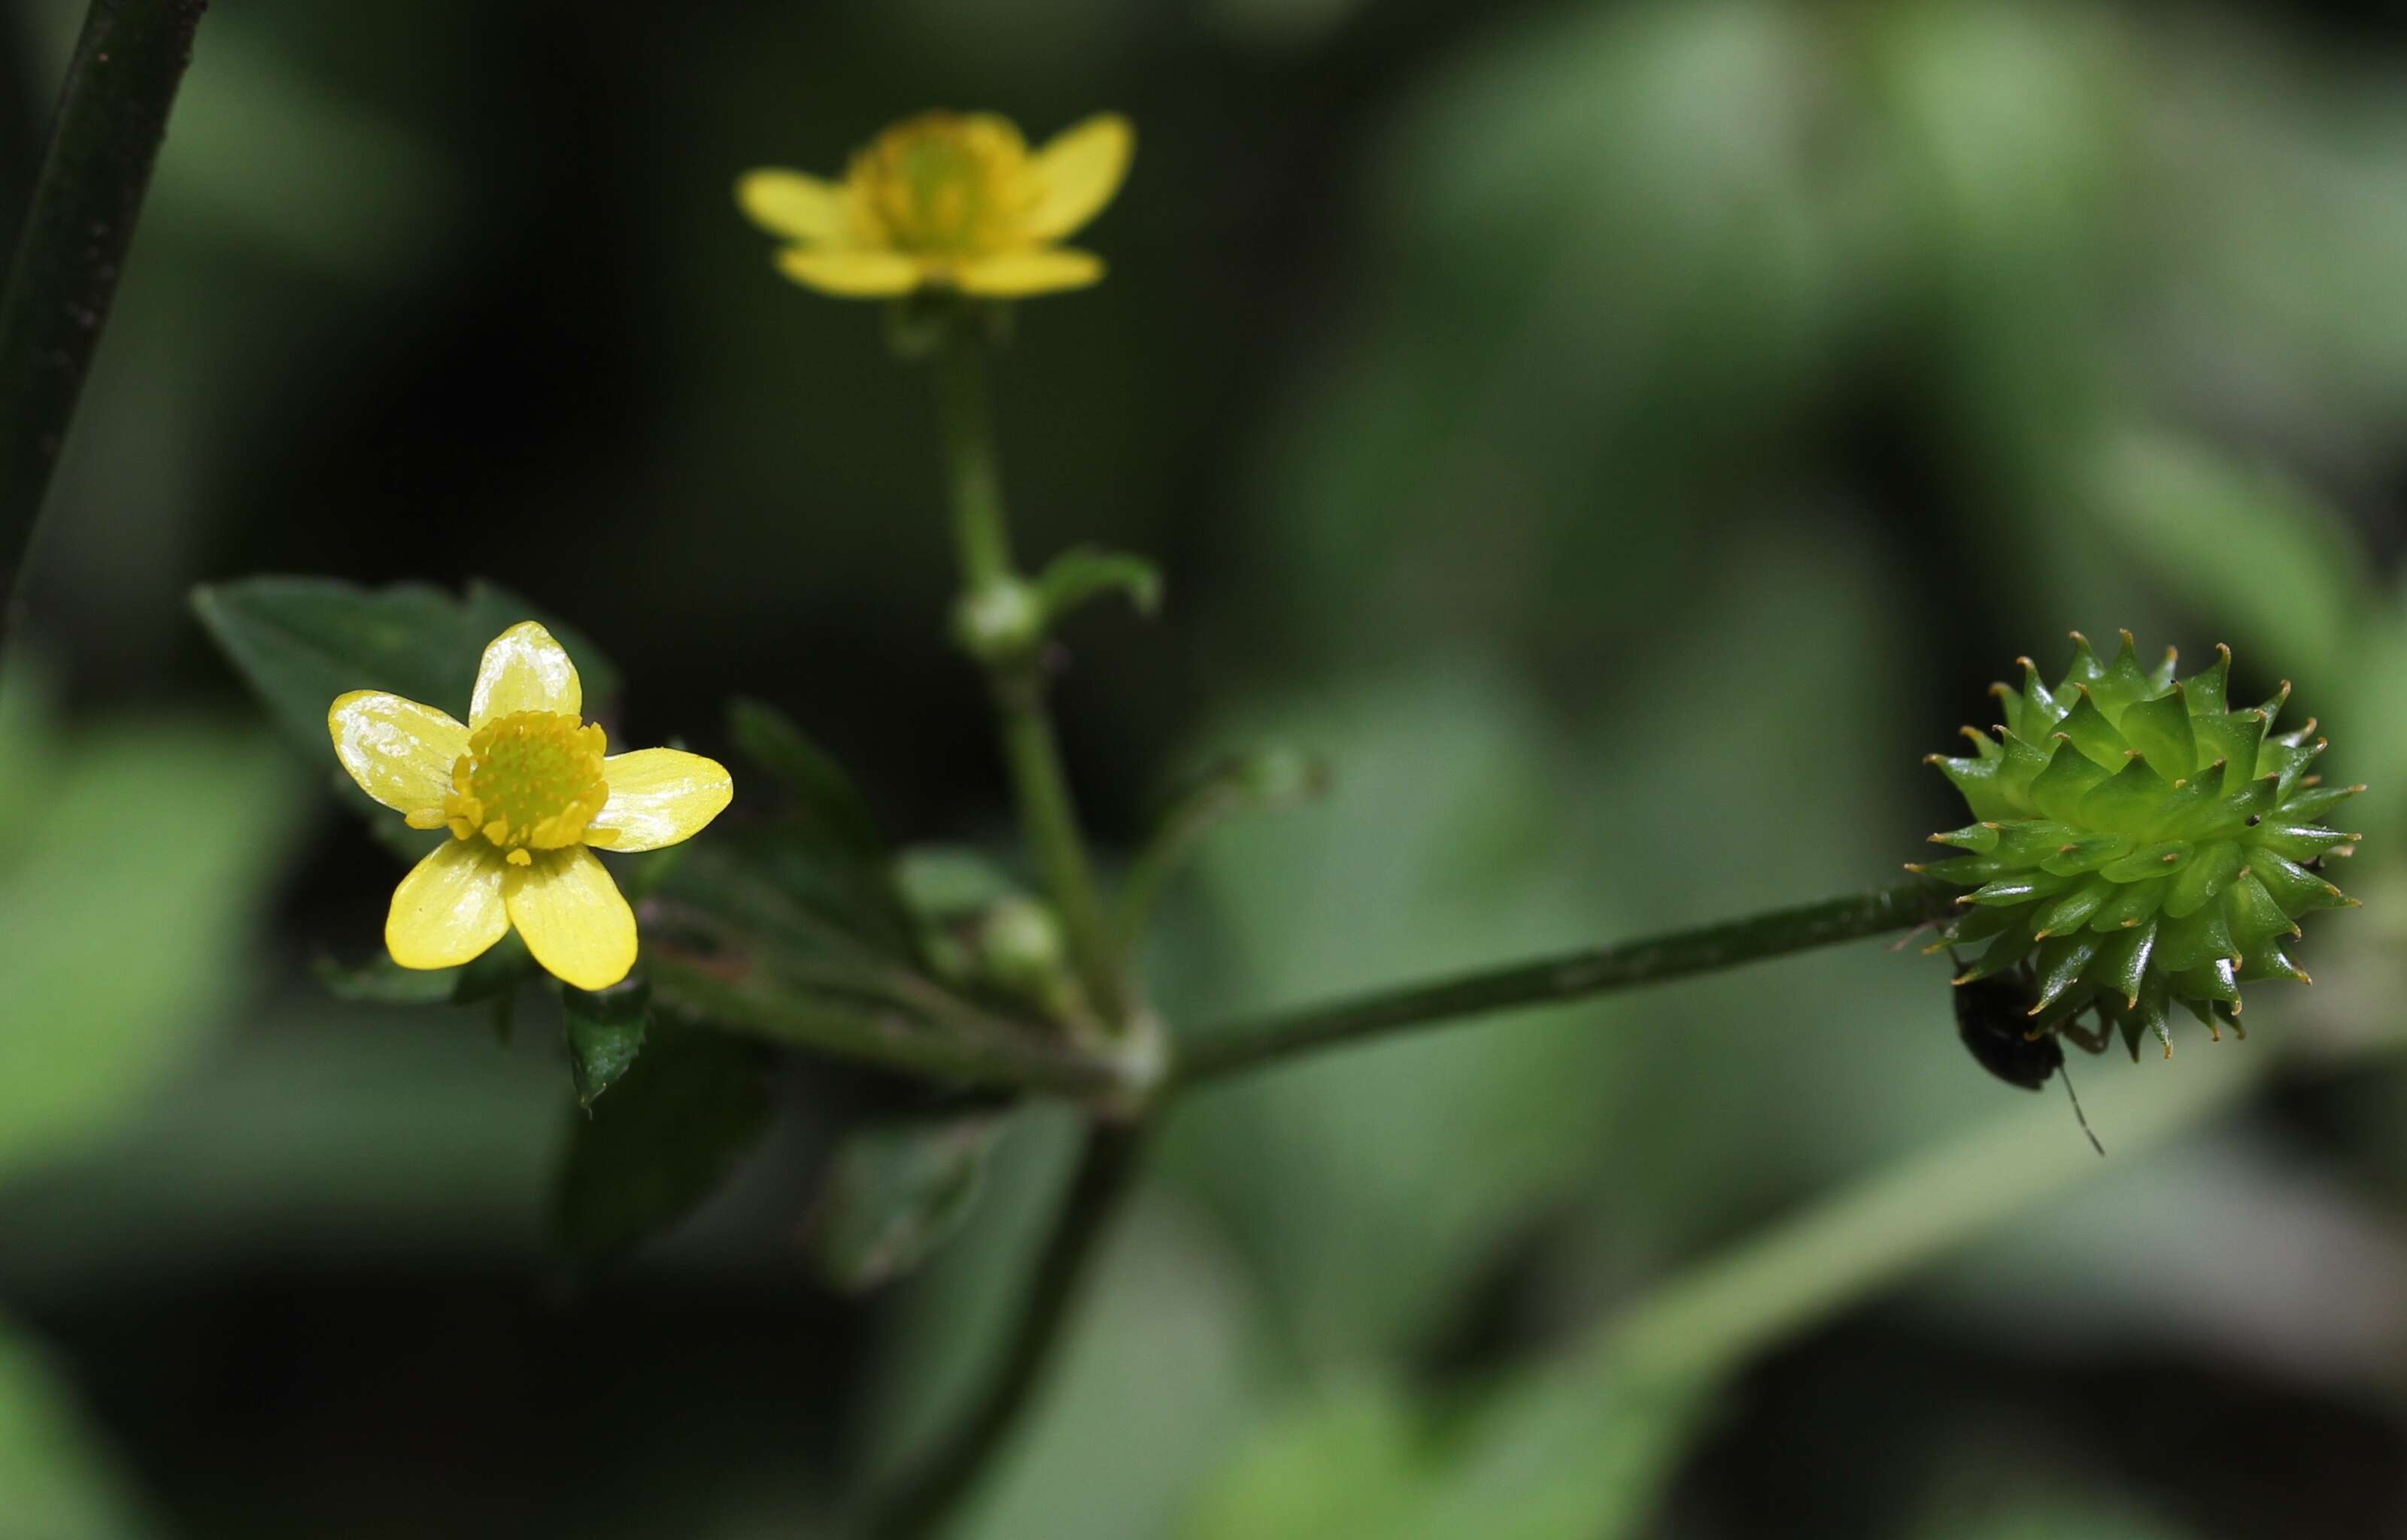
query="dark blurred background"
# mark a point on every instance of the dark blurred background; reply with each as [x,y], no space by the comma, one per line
[1623,438]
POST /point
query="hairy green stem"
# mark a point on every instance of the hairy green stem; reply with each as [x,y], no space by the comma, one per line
[767,1006]
[1106,1172]
[1049,817]
[1212,1053]
[110,120]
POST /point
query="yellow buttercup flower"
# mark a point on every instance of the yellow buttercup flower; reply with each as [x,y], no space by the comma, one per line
[525,789]
[948,201]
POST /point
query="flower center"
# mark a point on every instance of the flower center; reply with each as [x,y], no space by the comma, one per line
[530,781]
[944,185]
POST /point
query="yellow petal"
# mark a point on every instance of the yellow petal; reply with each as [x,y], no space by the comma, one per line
[448,909]
[398,750]
[851,272]
[573,918]
[659,797]
[789,203]
[1014,274]
[1076,172]
[525,671]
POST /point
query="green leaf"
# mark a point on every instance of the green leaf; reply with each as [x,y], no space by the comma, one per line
[1079,576]
[604,1032]
[669,1134]
[895,1193]
[300,642]
[380,981]
[826,802]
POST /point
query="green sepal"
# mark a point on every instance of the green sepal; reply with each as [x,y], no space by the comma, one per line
[2252,915]
[2030,841]
[2123,960]
[1962,868]
[2317,800]
[2087,725]
[2006,951]
[2194,941]
[2061,962]
[2019,888]
[1977,924]
[2217,980]
[2292,885]
[2210,687]
[2297,841]
[2267,960]
[2127,803]
[2165,858]
[2022,762]
[2036,708]
[2133,905]
[2086,668]
[1981,785]
[2159,729]
[2204,877]
[2234,738]
[2071,775]
[2123,683]
[2290,761]
[2075,909]
[2086,853]
[1981,839]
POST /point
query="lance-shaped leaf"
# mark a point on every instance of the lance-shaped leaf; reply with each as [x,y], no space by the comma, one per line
[826,802]
[896,1191]
[664,1139]
[300,642]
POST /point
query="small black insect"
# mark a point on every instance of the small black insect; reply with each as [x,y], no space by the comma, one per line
[1993,1018]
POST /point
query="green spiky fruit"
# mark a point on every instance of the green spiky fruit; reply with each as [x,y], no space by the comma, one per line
[2139,843]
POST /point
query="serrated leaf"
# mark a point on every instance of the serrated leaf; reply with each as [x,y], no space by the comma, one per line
[604,1032]
[895,1193]
[826,800]
[300,642]
[665,1138]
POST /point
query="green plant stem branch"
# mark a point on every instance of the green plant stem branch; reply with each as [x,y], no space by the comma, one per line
[1212,1053]
[1150,872]
[1106,1172]
[771,1007]
[112,116]
[1049,817]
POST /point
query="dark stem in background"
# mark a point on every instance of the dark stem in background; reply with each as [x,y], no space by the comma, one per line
[1106,1170]
[1212,1053]
[112,116]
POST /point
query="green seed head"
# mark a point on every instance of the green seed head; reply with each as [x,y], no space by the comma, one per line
[2138,842]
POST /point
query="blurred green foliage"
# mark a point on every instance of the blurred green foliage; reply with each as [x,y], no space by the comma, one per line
[1620,439]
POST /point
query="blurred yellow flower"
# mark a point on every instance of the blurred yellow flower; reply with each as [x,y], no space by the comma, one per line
[947,199]
[524,789]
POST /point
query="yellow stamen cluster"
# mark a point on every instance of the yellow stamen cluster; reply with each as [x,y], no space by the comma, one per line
[944,184]
[530,781]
